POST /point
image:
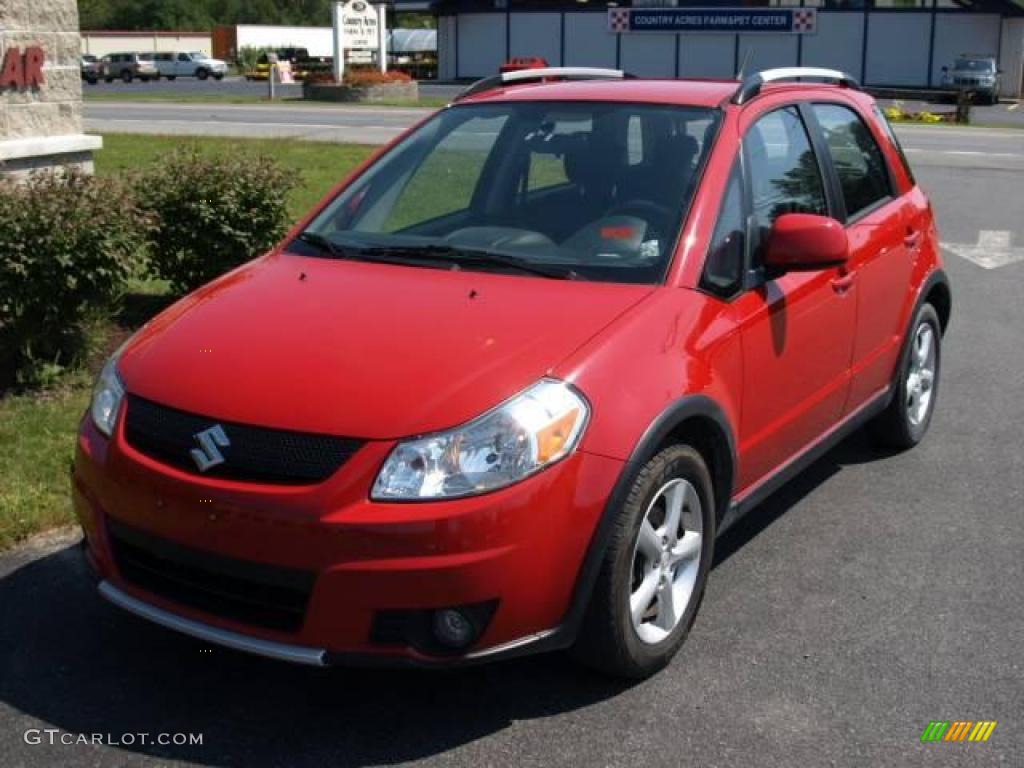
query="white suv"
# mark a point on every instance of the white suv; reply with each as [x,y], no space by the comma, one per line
[194,64]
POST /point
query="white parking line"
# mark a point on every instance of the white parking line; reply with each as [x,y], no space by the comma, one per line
[993,249]
[957,152]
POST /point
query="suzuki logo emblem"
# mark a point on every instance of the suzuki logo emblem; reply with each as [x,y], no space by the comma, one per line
[210,442]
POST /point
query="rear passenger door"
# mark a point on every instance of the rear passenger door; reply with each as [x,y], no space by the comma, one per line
[883,242]
[797,328]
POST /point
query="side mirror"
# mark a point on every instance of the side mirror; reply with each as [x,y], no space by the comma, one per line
[803,242]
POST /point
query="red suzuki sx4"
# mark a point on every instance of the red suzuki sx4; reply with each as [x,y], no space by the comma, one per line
[502,389]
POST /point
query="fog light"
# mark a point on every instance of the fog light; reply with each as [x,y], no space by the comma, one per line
[453,628]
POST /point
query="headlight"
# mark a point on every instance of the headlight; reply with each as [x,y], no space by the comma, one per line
[106,397]
[523,435]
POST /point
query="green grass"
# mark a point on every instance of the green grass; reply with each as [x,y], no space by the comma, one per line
[431,102]
[37,438]
[319,165]
[37,431]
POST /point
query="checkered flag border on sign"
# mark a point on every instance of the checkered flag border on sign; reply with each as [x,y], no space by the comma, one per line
[618,20]
[804,20]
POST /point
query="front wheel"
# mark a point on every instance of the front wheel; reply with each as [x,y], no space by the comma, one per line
[904,423]
[126,76]
[202,74]
[218,77]
[654,570]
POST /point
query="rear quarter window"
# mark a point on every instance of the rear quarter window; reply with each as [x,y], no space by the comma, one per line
[891,135]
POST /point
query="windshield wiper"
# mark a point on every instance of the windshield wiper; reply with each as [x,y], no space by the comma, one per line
[322,244]
[458,256]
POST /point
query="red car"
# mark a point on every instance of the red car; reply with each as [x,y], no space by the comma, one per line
[502,389]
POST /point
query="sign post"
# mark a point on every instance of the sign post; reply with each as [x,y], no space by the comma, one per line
[337,21]
[382,36]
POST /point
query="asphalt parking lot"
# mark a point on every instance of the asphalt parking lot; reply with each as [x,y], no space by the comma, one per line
[872,595]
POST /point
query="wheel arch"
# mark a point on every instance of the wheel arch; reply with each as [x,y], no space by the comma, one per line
[696,420]
[936,292]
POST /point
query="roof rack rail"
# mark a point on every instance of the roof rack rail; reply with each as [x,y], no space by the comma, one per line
[542,73]
[751,86]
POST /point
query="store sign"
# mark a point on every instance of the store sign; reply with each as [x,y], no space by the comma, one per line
[23,70]
[785,20]
[359,25]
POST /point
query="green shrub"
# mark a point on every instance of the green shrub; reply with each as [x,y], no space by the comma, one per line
[68,242]
[212,213]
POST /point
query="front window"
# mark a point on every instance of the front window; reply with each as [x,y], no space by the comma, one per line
[595,191]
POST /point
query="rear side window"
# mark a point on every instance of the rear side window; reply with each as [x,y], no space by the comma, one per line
[784,173]
[858,160]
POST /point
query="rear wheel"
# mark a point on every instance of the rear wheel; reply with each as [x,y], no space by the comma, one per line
[202,74]
[904,423]
[655,568]
[126,75]
[172,77]
[218,76]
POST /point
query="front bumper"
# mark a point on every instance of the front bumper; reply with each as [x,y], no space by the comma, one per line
[519,549]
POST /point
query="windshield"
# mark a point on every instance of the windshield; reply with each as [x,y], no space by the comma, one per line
[197,55]
[975,65]
[593,190]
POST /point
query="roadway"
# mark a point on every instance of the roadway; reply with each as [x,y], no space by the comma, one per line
[873,594]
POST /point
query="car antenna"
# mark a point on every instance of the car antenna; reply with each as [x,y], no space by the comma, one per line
[746,61]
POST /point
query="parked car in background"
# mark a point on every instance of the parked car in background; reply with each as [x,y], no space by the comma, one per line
[977,73]
[90,66]
[502,390]
[299,58]
[519,63]
[128,66]
[188,64]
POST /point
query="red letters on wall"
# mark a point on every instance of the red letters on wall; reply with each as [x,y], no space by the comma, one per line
[23,71]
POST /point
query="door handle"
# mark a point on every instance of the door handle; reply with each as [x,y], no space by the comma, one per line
[912,238]
[843,283]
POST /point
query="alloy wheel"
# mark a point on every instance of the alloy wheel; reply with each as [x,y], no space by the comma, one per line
[666,560]
[921,374]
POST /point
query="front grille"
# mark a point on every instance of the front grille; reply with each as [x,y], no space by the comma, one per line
[252,593]
[257,454]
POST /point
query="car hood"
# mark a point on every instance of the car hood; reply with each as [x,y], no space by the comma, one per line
[363,350]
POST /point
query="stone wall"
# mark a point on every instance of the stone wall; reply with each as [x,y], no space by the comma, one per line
[42,126]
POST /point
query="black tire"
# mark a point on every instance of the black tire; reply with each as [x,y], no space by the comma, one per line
[145,78]
[108,79]
[893,428]
[218,77]
[126,75]
[92,80]
[608,642]
[172,78]
[202,74]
